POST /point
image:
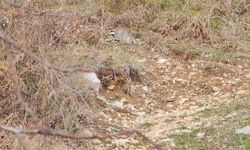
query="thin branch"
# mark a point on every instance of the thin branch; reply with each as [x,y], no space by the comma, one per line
[60,15]
[179,16]
[16,84]
[49,132]
[8,109]
[7,40]
[46,65]
[59,35]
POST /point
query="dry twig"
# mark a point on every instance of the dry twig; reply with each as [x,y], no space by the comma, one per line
[45,64]
[8,41]
[49,132]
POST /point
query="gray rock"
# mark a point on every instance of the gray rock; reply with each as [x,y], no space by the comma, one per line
[93,81]
[245,130]
[162,60]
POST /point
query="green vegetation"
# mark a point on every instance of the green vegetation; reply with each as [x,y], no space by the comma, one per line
[188,140]
[222,110]
[196,9]
[146,125]
[245,121]
[215,23]
[221,134]
[214,138]
[66,38]
[244,140]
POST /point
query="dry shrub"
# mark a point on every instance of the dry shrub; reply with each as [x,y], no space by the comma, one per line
[45,91]
[60,100]
[136,18]
[198,30]
[163,27]
[92,34]
[118,6]
[56,99]
[154,40]
[234,28]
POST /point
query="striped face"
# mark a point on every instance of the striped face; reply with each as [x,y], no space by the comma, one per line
[120,35]
[112,33]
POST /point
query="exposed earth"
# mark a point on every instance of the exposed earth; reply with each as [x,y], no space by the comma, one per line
[188,85]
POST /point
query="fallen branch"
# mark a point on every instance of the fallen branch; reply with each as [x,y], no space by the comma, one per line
[49,132]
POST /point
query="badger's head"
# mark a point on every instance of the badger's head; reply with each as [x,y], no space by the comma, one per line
[111,33]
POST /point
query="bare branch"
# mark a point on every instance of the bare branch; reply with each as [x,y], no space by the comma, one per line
[60,15]
[8,41]
[49,132]
[45,64]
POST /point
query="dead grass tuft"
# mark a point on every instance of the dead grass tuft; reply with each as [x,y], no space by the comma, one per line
[198,30]
[135,18]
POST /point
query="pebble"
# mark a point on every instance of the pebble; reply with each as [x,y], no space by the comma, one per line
[147,101]
[161,61]
[216,89]
[122,142]
[172,145]
[130,107]
[124,100]
[96,141]
[85,133]
[117,104]
[247,75]
[103,115]
[242,92]
[183,131]
[111,87]
[142,60]
[200,135]
[140,114]
[145,88]
[167,140]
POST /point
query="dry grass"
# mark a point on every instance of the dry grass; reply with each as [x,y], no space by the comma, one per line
[59,31]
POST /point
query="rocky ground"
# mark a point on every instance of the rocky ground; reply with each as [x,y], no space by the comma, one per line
[192,60]
[186,104]
[182,102]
